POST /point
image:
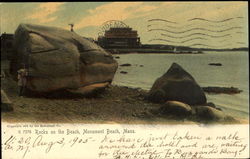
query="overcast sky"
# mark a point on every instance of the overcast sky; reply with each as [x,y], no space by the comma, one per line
[220,24]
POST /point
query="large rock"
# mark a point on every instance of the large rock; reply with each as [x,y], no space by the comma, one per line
[60,59]
[177,85]
[175,108]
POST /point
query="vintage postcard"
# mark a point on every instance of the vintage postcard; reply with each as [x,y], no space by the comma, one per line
[124,80]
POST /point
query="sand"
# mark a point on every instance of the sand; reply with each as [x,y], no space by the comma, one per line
[115,104]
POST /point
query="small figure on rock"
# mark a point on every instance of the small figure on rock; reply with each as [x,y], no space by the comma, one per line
[22,79]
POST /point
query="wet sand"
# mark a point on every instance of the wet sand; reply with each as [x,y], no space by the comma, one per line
[114,105]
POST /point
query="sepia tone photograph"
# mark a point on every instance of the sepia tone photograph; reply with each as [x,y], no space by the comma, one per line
[125,62]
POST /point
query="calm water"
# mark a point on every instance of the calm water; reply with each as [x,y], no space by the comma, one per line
[233,72]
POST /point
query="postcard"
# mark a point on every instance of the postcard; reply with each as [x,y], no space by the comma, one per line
[124,80]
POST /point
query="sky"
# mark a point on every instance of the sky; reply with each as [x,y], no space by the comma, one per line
[195,24]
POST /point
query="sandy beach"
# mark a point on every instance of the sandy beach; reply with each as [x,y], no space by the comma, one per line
[115,104]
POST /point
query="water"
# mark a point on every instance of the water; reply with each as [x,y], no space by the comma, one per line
[233,72]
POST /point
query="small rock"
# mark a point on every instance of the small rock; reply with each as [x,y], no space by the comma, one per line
[210,104]
[117,57]
[176,108]
[6,107]
[123,72]
[209,113]
[226,90]
[215,64]
[141,65]
[218,108]
[126,64]
[6,104]
[229,118]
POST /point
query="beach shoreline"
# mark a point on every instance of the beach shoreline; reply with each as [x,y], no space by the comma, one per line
[115,105]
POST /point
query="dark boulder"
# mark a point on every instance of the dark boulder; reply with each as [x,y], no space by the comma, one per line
[59,59]
[176,85]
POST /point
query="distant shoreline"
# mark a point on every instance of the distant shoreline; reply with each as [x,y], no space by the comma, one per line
[149,51]
[163,51]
